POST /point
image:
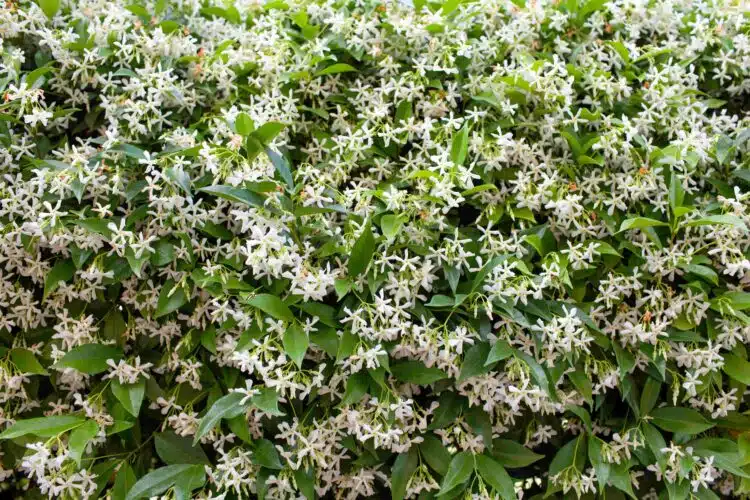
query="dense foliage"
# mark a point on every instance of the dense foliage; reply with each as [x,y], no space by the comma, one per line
[351,249]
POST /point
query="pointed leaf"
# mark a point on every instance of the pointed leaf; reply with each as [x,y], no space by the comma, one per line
[272,305]
[90,358]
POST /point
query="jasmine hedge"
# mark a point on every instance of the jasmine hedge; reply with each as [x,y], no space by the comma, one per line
[371,249]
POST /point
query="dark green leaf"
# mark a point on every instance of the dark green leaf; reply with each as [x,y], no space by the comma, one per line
[459,470]
[90,358]
[267,400]
[677,419]
[361,252]
[336,68]
[171,298]
[26,362]
[403,468]
[513,455]
[435,454]
[295,343]
[42,426]
[49,7]
[265,455]
[235,194]
[272,305]
[495,475]
[225,407]
[62,271]
[243,124]
[159,480]
[474,361]
[415,372]
[174,449]
[640,223]
[79,438]
[737,368]
[460,145]
[130,395]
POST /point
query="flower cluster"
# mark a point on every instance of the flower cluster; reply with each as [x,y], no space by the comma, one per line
[374,248]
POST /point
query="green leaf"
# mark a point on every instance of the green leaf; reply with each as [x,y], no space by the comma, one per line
[171,298]
[702,271]
[590,7]
[458,472]
[572,454]
[26,362]
[495,475]
[130,395]
[435,454]
[621,50]
[268,132]
[513,455]
[79,438]
[474,361]
[640,223]
[619,477]
[90,358]
[478,280]
[460,145]
[361,252]
[500,350]
[272,305]
[240,428]
[174,449]
[737,368]
[265,455]
[163,253]
[415,372]
[281,164]
[676,192]
[403,468]
[235,194]
[94,225]
[583,415]
[654,439]
[336,68]
[124,481]
[295,343]
[625,359]
[267,400]
[724,146]
[188,481]
[243,124]
[159,480]
[649,395]
[725,219]
[600,465]
[342,287]
[225,407]
[481,424]
[449,408]
[49,7]
[441,301]
[582,383]
[677,419]
[538,374]
[390,225]
[356,387]
[305,479]
[42,426]
[739,301]
[136,263]
[62,271]
[114,326]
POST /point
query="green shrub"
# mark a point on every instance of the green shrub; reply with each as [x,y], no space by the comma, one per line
[364,249]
